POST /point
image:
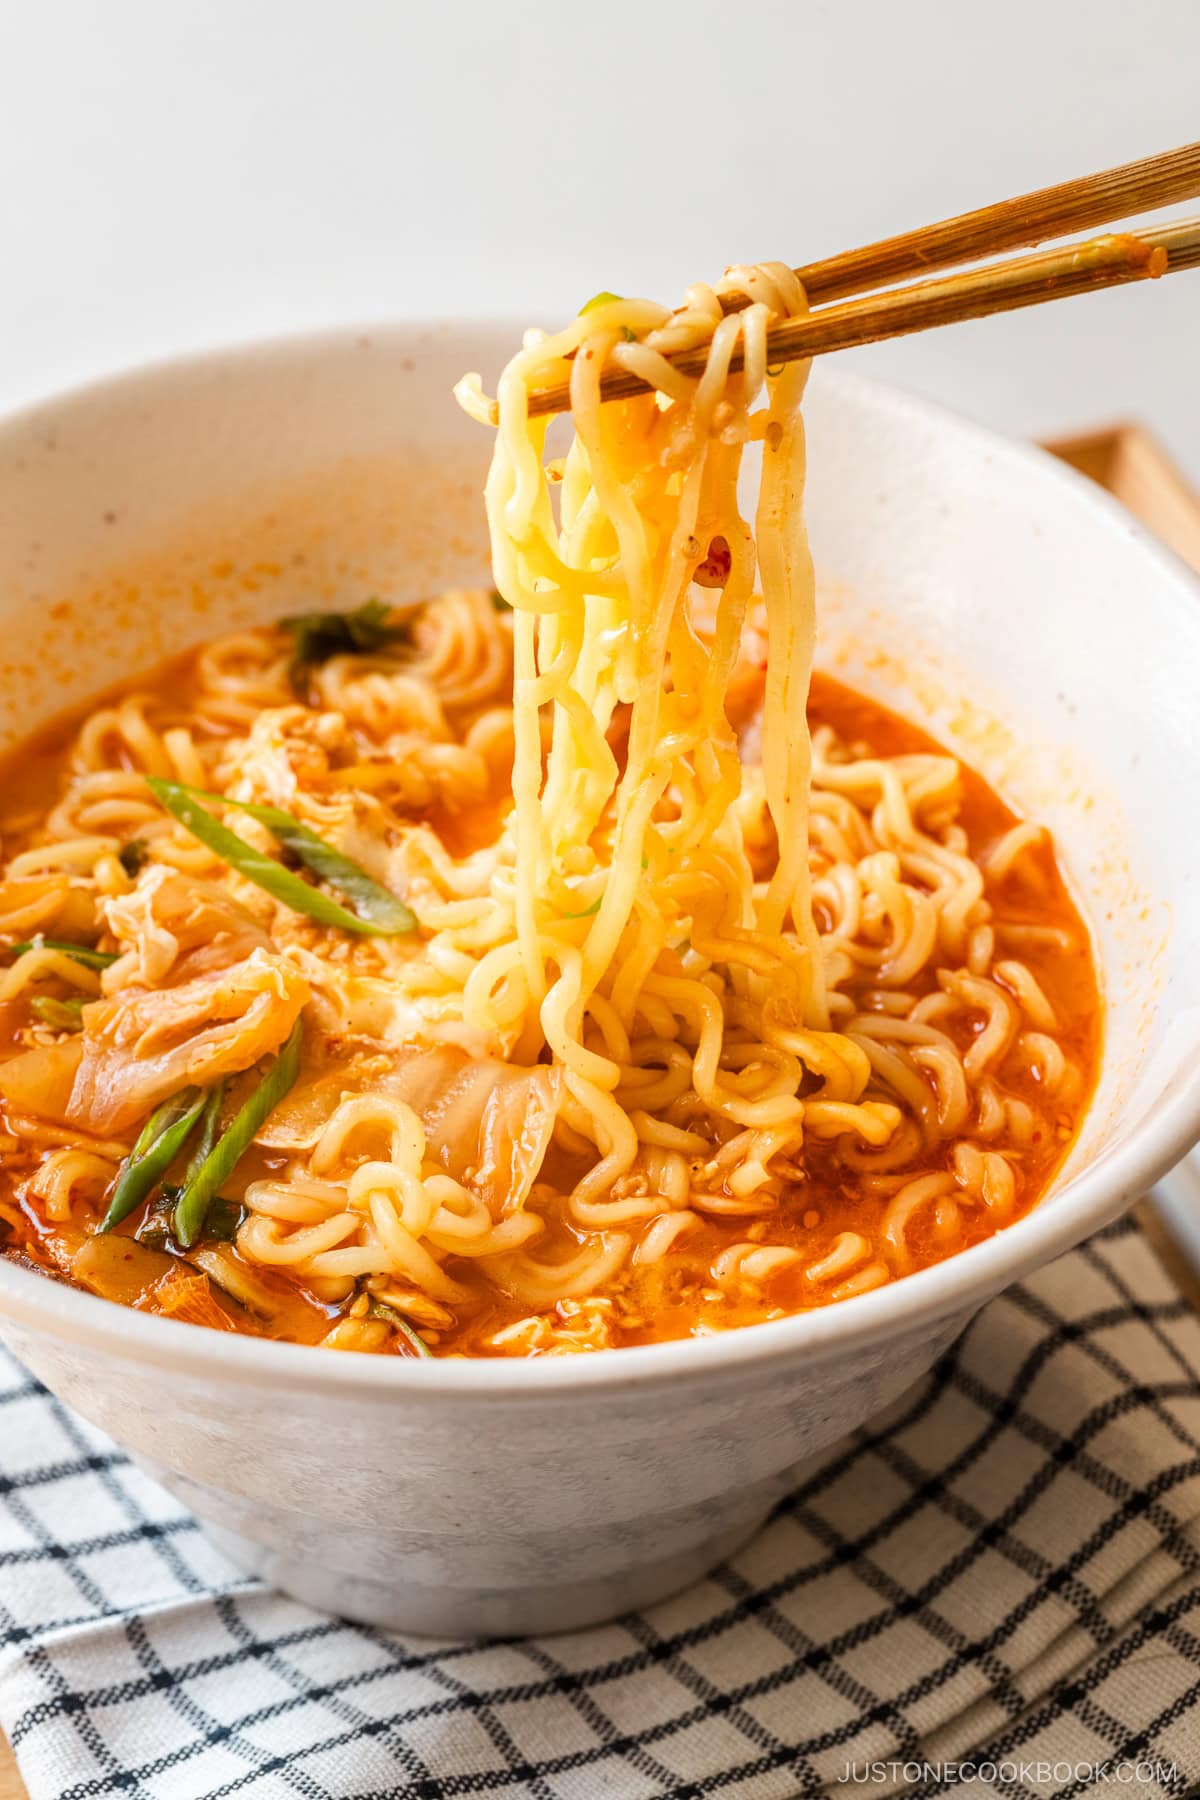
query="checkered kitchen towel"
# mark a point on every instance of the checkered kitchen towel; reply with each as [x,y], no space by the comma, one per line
[994,1590]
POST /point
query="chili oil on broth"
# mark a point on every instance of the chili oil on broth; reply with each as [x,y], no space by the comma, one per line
[836,1217]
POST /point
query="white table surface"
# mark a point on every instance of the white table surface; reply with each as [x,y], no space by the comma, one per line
[175,173]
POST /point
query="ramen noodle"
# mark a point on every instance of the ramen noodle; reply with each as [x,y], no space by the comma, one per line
[541,970]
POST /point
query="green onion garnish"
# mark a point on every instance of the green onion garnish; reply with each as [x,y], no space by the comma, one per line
[132,855]
[162,1137]
[221,1226]
[63,1015]
[80,953]
[210,1120]
[600,299]
[203,1184]
[379,913]
[317,636]
[378,1310]
[224,1220]
[155,1228]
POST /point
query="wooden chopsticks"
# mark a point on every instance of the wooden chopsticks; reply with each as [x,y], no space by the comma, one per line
[1073,268]
[1009,225]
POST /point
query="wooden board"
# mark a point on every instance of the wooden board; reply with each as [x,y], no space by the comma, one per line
[11,1785]
[1133,466]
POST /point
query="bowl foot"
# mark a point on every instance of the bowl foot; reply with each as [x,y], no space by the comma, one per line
[445,1612]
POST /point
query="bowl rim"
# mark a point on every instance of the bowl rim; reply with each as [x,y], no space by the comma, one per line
[1093,1198]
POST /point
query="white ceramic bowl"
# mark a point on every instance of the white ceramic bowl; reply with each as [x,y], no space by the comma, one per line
[964,579]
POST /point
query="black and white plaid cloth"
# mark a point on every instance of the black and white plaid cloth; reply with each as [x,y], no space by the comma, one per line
[993,1590]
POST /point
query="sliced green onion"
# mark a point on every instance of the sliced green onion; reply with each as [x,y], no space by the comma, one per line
[372,903]
[63,1015]
[224,1220]
[210,1121]
[80,953]
[589,912]
[603,298]
[600,299]
[162,1137]
[203,1184]
[222,1224]
[155,1228]
[132,855]
[378,1310]
[317,636]
[380,913]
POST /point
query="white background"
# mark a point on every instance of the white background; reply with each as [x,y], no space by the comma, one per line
[176,173]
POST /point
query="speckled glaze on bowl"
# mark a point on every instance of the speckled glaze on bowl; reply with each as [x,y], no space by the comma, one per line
[968,581]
